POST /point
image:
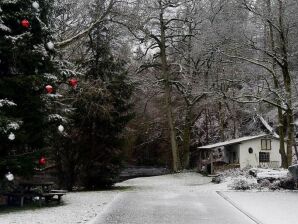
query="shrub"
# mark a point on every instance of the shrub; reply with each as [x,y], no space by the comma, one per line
[265,183]
[275,185]
[240,184]
[287,183]
[217,179]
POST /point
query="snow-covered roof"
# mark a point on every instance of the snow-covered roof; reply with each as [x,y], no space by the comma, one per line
[233,141]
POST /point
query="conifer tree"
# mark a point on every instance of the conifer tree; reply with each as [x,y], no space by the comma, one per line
[92,149]
[26,67]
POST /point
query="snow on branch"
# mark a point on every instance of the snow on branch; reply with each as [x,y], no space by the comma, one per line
[5,102]
[85,32]
[268,127]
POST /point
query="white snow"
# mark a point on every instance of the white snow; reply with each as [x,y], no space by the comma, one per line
[10,1]
[53,96]
[171,190]
[76,208]
[276,174]
[40,49]
[267,207]
[50,77]
[4,28]
[56,117]
[13,126]
[5,102]
[17,38]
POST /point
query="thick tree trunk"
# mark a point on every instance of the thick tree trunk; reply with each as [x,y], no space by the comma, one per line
[281,122]
[185,155]
[282,150]
[186,139]
[290,140]
[167,87]
[287,83]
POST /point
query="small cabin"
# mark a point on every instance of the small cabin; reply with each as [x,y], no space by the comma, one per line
[254,151]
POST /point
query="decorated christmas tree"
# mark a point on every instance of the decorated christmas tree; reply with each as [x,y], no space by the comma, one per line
[26,69]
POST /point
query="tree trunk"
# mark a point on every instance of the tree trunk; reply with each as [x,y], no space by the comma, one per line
[221,122]
[282,151]
[167,86]
[206,126]
[290,140]
[287,83]
[186,138]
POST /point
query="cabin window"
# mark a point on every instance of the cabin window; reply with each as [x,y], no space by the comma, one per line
[265,144]
[264,157]
[250,150]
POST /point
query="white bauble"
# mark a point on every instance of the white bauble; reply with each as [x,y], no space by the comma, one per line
[60,128]
[9,176]
[35,5]
[11,137]
[50,45]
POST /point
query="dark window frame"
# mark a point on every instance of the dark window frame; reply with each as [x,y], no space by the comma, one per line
[264,157]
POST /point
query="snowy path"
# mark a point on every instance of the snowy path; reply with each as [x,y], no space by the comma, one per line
[171,199]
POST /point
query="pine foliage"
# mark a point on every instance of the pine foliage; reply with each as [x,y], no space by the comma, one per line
[25,62]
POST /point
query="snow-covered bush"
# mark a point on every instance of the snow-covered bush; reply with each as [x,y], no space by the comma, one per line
[275,185]
[240,184]
[235,173]
[265,183]
[257,178]
[217,179]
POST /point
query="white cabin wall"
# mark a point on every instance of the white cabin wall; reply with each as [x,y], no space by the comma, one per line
[247,159]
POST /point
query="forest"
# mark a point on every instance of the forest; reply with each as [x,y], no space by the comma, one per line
[88,87]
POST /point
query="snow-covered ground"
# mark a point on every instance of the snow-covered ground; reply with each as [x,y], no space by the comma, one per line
[267,207]
[80,207]
[86,207]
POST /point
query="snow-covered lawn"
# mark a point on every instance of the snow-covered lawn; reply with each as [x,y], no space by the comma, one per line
[267,207]
[79,207]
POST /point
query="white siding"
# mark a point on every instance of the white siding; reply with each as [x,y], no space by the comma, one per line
[247,159]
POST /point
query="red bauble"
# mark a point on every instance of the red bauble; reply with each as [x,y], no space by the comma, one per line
[49,89]
[73,83]
[25,23]
[42,161]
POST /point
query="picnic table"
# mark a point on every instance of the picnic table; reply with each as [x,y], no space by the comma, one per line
[35,191]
